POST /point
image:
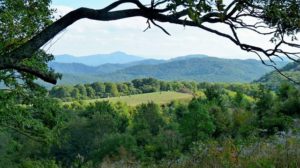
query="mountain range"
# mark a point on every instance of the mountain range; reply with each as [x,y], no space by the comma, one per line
[120,66]
[98,59]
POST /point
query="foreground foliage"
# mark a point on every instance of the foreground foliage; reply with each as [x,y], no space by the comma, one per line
[225,126]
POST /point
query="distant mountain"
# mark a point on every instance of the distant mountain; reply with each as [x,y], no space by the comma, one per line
[292,67]
[117,58]
[72,79]
[196,68]
[189,57]
[79,68]
[99,59]
[72,68]
[147,62]
[274,79]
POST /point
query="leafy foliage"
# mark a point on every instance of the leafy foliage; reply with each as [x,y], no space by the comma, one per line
[223,127]
[20,21]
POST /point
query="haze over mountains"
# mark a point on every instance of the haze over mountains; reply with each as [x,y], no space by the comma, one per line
[99,59]
[120,66]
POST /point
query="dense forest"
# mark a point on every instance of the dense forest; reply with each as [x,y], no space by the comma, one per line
[224,125]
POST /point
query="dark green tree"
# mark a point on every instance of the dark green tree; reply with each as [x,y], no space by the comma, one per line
[82,91]
[99,88]
[213,93]
[147,122]
[123,88]
[75,93]
[197,125]
[289,100]
[60,91]
[270,118]
[222,121]
[111,89]
[90,92]
[146,85]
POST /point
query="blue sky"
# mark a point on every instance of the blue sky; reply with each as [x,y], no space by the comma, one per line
[85,3]
[86,37]
[81,3]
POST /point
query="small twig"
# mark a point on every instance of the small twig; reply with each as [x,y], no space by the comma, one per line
[148,27]
[51,44]
[163,29]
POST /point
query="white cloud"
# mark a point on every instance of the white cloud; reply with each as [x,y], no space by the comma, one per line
[87,37]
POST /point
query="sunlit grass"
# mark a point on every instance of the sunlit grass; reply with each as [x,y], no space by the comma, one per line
[157,97]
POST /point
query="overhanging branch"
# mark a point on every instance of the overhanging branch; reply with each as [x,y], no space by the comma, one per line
[231,16]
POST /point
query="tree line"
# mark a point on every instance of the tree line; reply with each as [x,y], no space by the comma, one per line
[137,86]
[223,128]
[109,89]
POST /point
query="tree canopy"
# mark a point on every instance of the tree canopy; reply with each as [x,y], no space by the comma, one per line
[28,25]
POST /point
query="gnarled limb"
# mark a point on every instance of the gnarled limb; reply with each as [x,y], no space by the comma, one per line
[190,14]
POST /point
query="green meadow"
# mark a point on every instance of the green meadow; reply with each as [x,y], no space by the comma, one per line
[156,97]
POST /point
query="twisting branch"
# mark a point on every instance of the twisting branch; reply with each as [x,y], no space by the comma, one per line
[234,15]
[163,29]
[47,77]
[153,22]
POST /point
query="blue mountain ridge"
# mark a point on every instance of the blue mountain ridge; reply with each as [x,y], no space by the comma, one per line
[99,59]
[191,67]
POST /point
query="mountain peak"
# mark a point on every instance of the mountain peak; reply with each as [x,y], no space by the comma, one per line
[99,59]
[189,57]
[119,53]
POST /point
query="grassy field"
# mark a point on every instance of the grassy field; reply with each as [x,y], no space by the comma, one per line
[157,97]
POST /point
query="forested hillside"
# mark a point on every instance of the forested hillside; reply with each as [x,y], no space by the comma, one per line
[205,69]
[192,68]
[274,79]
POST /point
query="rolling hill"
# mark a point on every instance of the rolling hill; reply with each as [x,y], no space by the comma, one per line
[99,59]
[197,69]
[274,79]
[191,67]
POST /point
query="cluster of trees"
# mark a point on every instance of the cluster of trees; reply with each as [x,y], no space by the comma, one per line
[108,89]
[222,128]
[138,86]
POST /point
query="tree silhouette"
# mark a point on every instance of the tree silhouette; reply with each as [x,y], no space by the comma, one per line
[277,20]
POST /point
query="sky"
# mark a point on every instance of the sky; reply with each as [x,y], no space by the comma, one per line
[86,37]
